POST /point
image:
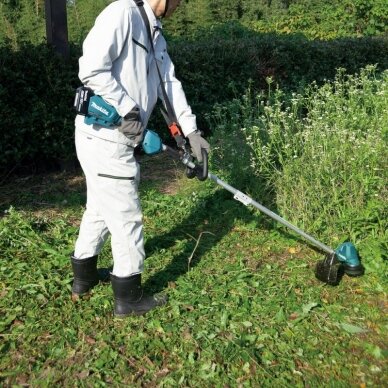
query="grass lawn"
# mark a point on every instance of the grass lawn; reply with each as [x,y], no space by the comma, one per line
[245,309]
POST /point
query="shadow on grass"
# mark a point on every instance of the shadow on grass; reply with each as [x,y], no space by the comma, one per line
[215,216]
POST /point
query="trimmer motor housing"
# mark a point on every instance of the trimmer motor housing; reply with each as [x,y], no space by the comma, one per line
[347,254]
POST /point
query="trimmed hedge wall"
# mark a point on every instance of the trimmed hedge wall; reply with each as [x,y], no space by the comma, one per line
[37,86]
[216,70]
[36,96]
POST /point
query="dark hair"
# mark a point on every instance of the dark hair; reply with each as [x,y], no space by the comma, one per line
[165,9]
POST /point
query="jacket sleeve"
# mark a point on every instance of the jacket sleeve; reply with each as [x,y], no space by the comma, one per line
[175,93]
[100,49]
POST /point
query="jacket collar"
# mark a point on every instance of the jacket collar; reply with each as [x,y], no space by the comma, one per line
[154,22]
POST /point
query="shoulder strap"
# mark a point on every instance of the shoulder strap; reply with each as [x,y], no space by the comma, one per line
[169,116]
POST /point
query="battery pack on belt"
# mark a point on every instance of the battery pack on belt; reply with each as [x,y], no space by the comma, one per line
[95,109]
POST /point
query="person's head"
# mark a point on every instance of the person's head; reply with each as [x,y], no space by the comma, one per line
[164,8]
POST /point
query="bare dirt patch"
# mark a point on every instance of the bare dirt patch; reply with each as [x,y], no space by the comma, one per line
[41,192]
[163,171]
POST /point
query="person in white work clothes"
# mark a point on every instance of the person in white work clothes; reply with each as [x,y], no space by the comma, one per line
[119,65]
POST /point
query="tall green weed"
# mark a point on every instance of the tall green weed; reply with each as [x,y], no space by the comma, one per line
[322,155]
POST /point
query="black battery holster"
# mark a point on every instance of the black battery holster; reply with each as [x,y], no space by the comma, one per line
[82,98]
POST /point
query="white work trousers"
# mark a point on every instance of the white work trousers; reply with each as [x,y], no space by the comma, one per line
[113,205]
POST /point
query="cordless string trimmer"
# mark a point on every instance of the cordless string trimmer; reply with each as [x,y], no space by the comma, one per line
[338,261]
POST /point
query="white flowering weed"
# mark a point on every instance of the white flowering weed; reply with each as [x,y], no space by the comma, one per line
[322,153]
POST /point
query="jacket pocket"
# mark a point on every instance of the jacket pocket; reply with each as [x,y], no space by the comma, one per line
[126,178]
[140,44]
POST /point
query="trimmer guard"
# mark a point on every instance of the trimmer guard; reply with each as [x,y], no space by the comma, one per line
[330,270]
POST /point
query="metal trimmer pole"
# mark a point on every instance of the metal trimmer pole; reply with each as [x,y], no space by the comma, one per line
[243,198]
[246,200]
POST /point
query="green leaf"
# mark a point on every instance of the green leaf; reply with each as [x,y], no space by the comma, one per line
[308,307]
[224,319]
[280,317]
[352,329]
[376,352]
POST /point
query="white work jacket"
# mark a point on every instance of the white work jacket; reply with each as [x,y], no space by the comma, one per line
[118,64]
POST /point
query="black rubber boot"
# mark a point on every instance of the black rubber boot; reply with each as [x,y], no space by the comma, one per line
[129,297]
[86,275]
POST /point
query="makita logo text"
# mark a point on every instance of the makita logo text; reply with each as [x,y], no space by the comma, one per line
[100,108]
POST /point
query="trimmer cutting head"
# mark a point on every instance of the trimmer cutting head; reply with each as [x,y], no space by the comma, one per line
[344,259]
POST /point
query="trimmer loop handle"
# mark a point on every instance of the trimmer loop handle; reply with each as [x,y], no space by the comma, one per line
[199,171]
[202,171]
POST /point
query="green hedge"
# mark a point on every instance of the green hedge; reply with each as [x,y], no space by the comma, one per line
[219,67]
[37,86]
[36,95]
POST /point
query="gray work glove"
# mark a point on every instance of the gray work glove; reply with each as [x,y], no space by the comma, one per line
[197,142]
[131,125]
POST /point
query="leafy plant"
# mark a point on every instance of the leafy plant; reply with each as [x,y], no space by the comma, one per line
[322,154]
